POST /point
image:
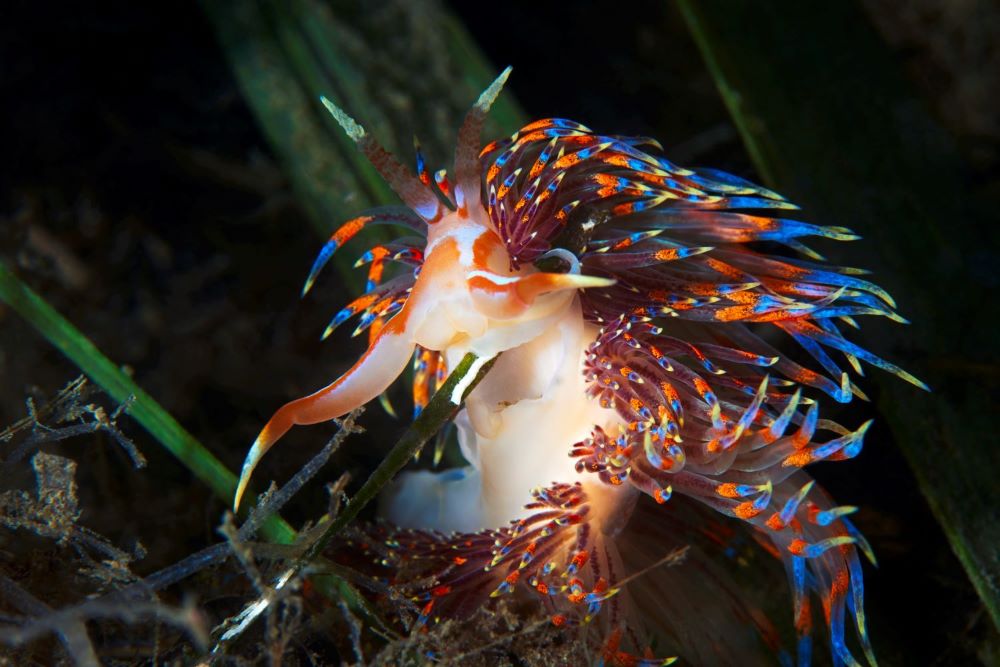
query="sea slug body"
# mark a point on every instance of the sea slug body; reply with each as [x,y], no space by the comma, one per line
[638,385]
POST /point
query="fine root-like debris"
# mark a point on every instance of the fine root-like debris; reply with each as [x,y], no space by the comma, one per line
[54,509]
[72,632]
[272,501]
[39,620]
[256,602]
[503,633]
[50,561]
[278,575]
[89,607]
[280,601]
[355,628]
[53,512]
[69,407]
[84,603]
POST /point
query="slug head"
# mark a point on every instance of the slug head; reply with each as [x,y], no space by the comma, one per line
[466,296]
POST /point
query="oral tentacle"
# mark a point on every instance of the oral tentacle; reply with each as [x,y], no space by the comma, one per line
[506,297]
[367,379]
[542,283]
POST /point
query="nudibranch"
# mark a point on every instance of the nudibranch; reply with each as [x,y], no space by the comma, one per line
[635,311]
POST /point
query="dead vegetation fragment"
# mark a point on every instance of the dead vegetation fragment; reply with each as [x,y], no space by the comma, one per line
[57,575]
[69,595]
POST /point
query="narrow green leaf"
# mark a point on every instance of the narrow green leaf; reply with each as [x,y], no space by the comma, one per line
[411,70]
[143,408]
[830,122]
[440,409]
[169,433]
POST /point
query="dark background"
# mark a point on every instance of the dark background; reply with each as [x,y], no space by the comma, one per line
[138,196]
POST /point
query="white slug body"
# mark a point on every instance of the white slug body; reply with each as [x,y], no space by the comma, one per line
[515,431]
[466,299]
